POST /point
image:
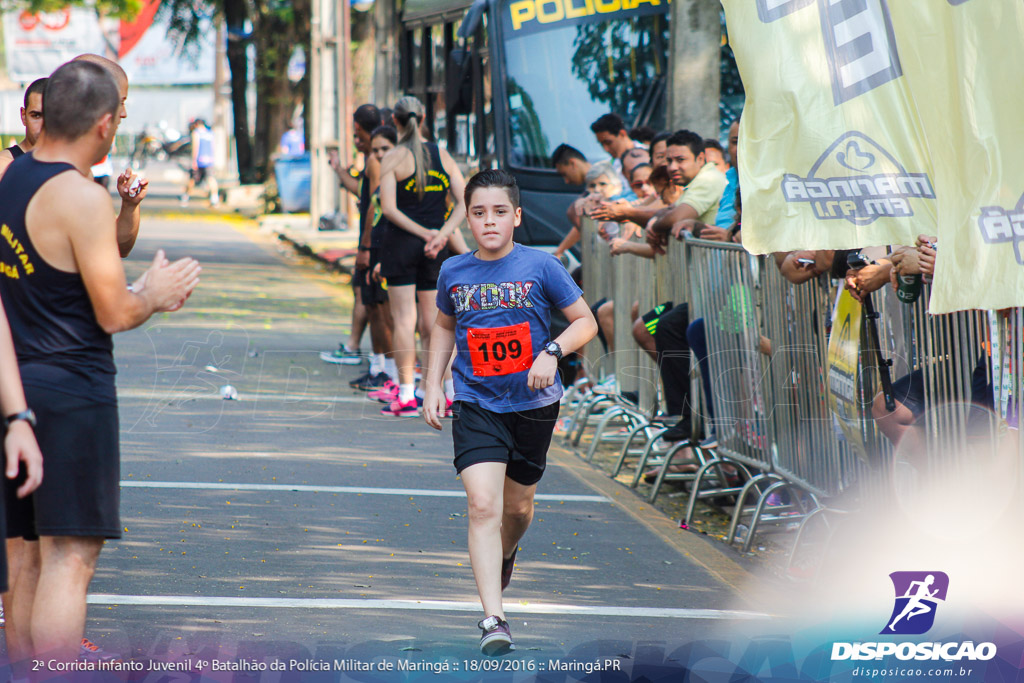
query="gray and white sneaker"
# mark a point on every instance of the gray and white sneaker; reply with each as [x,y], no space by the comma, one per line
[497,638]
[343,356]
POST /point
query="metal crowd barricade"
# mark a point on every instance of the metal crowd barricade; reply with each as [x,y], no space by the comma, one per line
[772,415]
[726,283]
[598,284]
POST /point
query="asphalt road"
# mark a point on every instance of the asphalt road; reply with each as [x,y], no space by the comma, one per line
[296,523]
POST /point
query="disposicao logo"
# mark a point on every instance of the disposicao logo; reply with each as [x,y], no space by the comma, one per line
[917,599]
[918,595]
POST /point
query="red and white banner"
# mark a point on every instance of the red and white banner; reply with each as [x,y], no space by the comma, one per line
[38,43]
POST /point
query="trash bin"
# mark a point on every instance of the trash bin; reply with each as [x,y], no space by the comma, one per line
[293,179]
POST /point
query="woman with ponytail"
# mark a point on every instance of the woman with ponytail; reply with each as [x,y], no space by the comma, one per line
[417,181]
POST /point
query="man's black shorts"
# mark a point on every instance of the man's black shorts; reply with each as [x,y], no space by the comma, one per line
[667,314]
[80,493]
[199,174]
[404,263]
[519,439]
[372,292]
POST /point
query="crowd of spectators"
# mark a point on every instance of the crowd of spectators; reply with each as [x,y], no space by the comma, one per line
[664,186]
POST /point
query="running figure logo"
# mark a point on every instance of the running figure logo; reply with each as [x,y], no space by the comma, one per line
[917,597]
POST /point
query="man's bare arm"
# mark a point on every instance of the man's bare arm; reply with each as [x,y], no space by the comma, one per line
[87,219]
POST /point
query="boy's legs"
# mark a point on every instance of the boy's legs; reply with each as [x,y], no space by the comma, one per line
[516,515]
[485,486]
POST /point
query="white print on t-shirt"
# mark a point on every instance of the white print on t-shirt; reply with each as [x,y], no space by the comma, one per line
[489,296]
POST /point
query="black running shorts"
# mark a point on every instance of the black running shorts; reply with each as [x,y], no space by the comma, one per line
[403,262]
[519,439]
[80,493]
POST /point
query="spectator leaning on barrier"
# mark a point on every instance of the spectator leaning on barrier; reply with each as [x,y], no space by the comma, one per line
[659,148]
[627,209]
[570,163]
[714,154]
[727,205]
[614,139]
[702,185]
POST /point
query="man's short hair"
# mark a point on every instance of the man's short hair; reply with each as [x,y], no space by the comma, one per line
[36,86]
[634,152]
[563,154]
[643,134]
[609,123]
[714,144]
[687,138]
[76,96]
[660,137]
[110,65]
[387,132]
[367,116]
[494,177]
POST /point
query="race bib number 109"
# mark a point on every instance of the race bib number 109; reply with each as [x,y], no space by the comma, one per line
[500,350]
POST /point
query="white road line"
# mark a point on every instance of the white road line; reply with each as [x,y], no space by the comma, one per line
[305,488]
[185,396]
[429,605]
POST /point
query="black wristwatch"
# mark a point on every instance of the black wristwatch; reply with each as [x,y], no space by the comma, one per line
[27,415]
[554,349]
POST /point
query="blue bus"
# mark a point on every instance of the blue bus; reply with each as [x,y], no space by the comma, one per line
[504,82]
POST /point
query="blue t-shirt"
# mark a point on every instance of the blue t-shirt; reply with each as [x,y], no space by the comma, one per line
[502,313]
[727,206]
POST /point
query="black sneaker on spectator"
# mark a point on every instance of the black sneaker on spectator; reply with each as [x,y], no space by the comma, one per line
[372,383]
[359,380]
[497,637]
[506,569]
[680,431]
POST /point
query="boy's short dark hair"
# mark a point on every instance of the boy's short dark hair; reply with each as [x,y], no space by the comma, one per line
[687,138]
[609,123]
[563,154]
[386,132]
[36,86]
[494,177]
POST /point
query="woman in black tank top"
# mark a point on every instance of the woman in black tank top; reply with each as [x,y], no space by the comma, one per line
[424,208]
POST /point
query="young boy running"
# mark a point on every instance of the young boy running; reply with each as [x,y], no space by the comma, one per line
[494,308]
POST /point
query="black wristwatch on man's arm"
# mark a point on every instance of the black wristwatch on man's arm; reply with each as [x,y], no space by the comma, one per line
[27,415]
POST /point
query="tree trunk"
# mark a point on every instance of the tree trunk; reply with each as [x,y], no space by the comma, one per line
[277,32]
[234,16]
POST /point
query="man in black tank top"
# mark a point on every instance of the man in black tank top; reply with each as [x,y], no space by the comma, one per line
[32,119]
[64,292]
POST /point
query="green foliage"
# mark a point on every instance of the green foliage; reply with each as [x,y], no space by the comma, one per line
[120,9]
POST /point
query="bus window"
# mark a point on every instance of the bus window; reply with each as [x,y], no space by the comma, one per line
[563,76]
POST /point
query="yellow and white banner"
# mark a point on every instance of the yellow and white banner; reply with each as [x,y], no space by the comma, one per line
[869,122]
[843,371]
